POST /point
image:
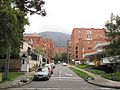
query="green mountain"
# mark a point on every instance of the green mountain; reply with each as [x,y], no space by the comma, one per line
[60,39]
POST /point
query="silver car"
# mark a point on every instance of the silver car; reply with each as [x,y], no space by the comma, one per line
[42,73]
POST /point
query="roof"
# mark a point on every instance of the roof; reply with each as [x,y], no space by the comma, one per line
[101,45]
[88,54]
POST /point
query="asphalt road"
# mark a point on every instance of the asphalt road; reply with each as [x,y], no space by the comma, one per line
[62,79]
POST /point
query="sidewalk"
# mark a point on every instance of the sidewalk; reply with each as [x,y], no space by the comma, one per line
[16,82]
[100,81]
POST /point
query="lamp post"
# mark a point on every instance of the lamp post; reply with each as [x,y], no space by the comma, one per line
[73,61]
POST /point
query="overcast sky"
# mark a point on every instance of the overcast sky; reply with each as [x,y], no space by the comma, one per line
[64,15]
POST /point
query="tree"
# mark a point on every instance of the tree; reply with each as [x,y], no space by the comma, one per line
[64,57]
[38,50]
[13,18]
[57,58]
[113,33]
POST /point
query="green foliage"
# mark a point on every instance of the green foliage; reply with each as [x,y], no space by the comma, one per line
[97,72]
[112,76]
[82,66]
[13,18]
[13,75]
[57,58]
[38,50]
[11,28]
[61,57]
[64,57]
[113,33]
[84,75]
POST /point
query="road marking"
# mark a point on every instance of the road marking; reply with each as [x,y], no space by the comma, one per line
[67,74]
[67,77]
[105,88]
[83,88]
[41,88]
[60,73]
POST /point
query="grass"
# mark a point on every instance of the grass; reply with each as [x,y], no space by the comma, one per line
[82,74]
[89,69]
[112,76]
[13,75]
[96,72]
[82,66]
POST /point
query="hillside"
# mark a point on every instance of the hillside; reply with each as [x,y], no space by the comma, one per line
[60,39]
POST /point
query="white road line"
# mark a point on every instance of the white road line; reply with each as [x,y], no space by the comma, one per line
[105,88]
[42,89]
[60,73]
[67,74]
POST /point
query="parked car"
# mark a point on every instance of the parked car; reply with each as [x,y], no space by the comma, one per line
[64,64]
[42,73]
[52,65]
[50,68]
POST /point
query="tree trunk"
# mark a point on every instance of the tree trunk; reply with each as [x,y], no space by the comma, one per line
[7,65]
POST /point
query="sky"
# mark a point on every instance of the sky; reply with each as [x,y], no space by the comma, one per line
[64,15]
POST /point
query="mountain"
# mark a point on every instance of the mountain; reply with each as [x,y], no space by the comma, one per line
[60,39]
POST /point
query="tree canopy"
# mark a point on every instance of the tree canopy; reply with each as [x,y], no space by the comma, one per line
[113,33]
[13,18]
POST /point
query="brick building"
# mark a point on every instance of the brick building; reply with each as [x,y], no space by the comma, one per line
[35,40]
[69,51]
[59,50]
[84,40]
[46,45]
[49,48]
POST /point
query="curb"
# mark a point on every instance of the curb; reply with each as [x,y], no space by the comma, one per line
[101,85]
[15,86]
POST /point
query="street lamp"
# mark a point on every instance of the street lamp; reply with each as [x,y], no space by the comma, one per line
[73,61]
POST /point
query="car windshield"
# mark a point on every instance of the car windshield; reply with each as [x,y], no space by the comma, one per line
[42,69]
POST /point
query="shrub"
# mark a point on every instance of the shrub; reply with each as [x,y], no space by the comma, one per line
[82,66]
[84,75]
[112,76]
[97,72]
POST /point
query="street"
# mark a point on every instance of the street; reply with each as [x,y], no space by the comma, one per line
[62,79]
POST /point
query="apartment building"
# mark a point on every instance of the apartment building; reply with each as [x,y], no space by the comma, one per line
[84,40]
[59,50]
[49,49]
[69,51]
[46,45]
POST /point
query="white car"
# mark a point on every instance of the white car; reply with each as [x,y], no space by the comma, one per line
[42,73]
[64,64]
[50,68]
[52,65]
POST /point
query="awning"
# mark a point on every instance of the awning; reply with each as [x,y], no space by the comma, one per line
[101,45]
[89,54]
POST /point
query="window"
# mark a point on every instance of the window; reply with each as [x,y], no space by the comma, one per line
[76,56]
[89,35]
[76,51]
[89,47]
[76,47]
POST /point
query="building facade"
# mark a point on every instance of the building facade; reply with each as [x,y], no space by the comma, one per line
[69,51]
[84,40]
[49,49]
[45,45]
[59,50]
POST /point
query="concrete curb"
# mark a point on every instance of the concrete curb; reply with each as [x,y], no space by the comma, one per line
[17,85]
[101,85]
